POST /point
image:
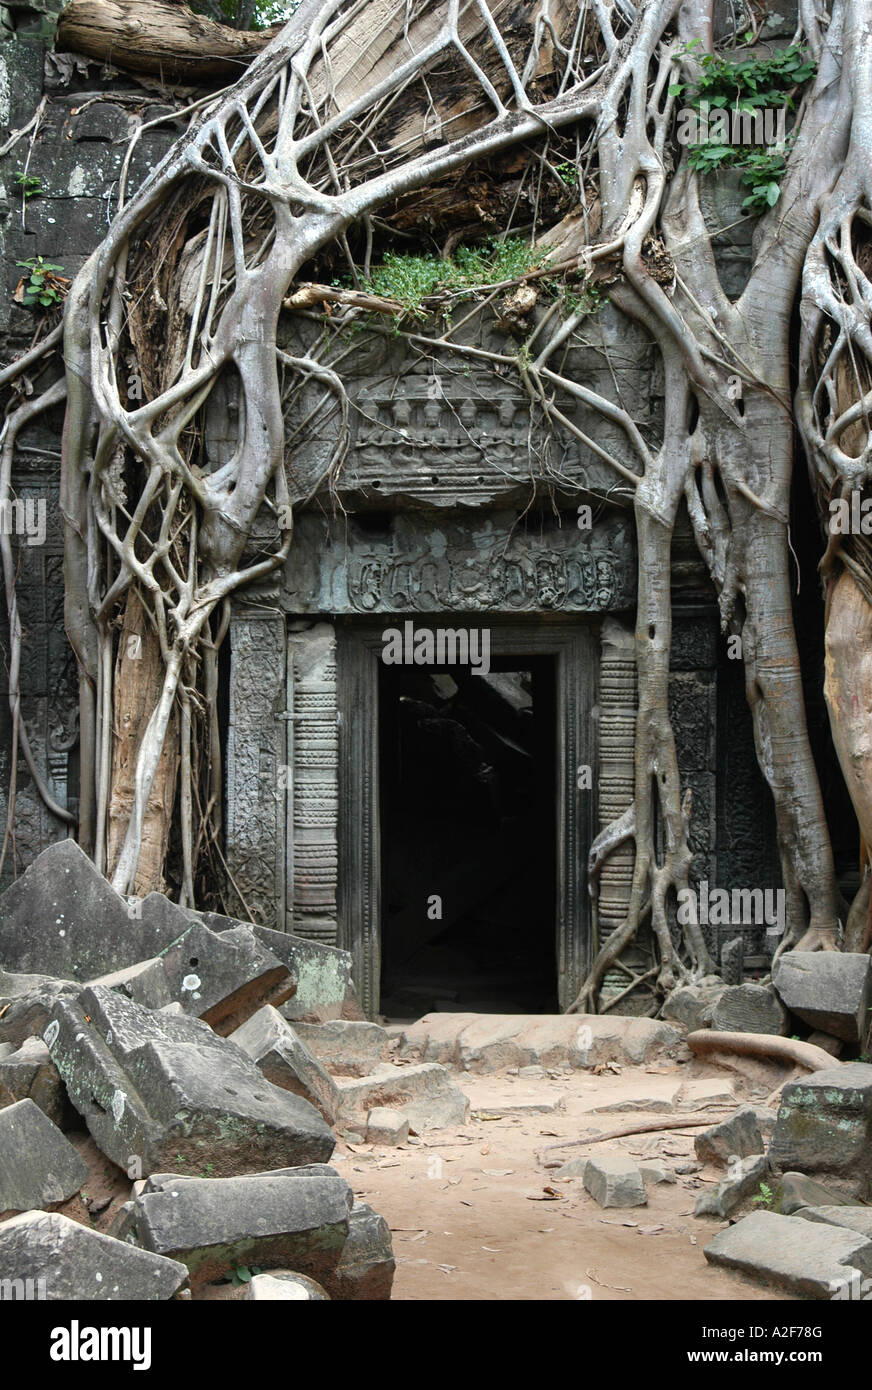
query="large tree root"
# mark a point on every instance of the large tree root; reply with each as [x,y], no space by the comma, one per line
[766,1045]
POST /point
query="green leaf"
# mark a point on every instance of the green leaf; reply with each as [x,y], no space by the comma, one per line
[773,193]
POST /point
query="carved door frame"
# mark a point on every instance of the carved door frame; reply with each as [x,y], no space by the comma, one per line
[574,646]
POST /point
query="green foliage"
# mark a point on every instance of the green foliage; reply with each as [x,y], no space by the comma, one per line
[751,83]
[765,1197]
[568,173]
[29,184]
[410,279]
[243,1274]
[746,86]
[45,286]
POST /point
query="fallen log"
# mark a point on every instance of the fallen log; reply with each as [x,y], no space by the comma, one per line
[761,1045]
[646,1127]
[161,39]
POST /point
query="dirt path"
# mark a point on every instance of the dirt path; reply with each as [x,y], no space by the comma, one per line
[472,1220]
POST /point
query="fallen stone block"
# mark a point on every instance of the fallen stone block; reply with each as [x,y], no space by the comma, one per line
[703,1091]
[26,1002]
[852,1218]
[426,1094]
[384,1126]
[30,1074]
[63,919]
[271,1042]
[38,1166]
[284,1286]
[834,1046]
[829,990]
[691,1005]
[174,1094]
[614,1181]
[743,1180]
[795,1191]
[749,1009]
[222,978]
[65,1261]
[825,1123]
[784,1252]
[766,1118]
[325,989]
[366,1267]
[572,1168]
[737,1137]
[345,1047]
[653,1173]
[212,1225]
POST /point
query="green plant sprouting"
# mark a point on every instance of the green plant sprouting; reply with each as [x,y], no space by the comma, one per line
[45,286]
[410,279]
[747,87]
[29,184]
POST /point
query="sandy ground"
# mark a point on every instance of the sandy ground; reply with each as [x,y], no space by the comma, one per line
[477,1212]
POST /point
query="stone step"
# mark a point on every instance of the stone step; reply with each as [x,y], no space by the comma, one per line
[426,1095]
[494,1042]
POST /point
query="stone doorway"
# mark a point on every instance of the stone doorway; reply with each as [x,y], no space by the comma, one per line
[467,790]
[561,657]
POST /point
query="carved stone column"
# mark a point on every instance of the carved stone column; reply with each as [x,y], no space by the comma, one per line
[616,780]
[313,794]
[257,772]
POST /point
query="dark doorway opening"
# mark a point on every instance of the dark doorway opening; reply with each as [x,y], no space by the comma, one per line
[468,832]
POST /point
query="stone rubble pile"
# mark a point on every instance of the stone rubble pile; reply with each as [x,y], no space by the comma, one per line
[210,1060]
[795,1182]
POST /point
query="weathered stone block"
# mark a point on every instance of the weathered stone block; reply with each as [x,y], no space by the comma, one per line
[829,990]
[784,1252]
[26,1002]
[221,977]
[795,1191]
[749,1009]
[365,1271]
[825,1123]
[323,973]
[345,1047]
[38,1166]
[852,1218]
[614,1181]
[172,1092]
[743,1180]
[30,1074]
[426,1094]
[67,1261]
[62,918]
[271,1042]
[273,1222]
[386,1126]
[737,1136]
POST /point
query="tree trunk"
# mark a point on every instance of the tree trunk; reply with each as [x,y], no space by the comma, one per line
[138,683]
[161,39]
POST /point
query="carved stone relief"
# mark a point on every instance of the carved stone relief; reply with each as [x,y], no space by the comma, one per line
[477,564]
